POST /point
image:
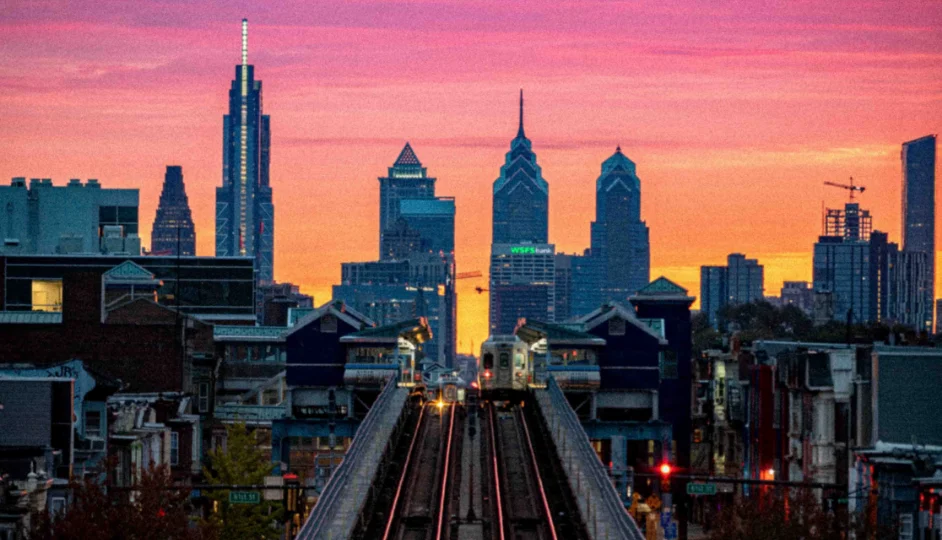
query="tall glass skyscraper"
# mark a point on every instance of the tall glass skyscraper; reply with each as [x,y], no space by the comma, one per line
[173,232]
[245,215]
[619,237]
[407,179]
[521,195]
[918,157]
[522,271]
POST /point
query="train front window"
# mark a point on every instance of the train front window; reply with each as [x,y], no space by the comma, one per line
[488,361]
[518,360]
[504,360]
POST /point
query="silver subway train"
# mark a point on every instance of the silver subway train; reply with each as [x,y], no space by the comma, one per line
[505,366]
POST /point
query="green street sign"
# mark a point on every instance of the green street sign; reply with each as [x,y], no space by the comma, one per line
[701,489]
[244,497]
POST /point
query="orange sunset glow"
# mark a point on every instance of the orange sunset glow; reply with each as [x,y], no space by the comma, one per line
[734,112]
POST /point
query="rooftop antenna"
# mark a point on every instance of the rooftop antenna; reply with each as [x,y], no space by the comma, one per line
[245,42]
[520,130]
[849,187]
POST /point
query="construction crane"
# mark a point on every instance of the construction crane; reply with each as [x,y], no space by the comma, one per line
[849,187]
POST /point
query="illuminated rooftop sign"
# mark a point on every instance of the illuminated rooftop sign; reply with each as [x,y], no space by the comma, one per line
[530,250]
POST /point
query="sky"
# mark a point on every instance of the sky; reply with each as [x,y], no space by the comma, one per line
[735,113]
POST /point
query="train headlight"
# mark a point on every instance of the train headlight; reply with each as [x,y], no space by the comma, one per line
[519,374]
[487,374]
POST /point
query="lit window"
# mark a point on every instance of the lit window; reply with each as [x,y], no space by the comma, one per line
[47,295]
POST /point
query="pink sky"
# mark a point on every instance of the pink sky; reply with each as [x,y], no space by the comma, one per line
[735,113]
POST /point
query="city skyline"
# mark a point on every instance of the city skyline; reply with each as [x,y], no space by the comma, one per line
[759,127]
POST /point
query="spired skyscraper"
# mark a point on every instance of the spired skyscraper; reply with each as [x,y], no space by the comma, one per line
[522,271]
[521,195]
[245,215]
[173,225]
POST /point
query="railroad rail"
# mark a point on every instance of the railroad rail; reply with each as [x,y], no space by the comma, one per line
[420,509]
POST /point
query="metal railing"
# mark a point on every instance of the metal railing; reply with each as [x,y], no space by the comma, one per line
[601,507]
[320,522]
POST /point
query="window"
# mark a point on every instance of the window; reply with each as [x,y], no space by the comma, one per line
[93,423]
[616,327]
[204,397]
[668,365]
[504,360]
[328,324]
[488,361]
[174,448]
[57,507]
[47,294]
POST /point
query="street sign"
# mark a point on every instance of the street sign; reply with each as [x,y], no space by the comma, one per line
[244,497]
[701,489]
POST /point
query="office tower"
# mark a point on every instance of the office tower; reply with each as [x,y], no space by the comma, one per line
[245,215]
[842,268]
[394,291]
[407,179]
[416,271]
[713,295]
[173,224]
[739,282]
[521,195]
[522,285]
[619,237]
[918,157]
[798,294]
[745,279]
[423,226]
[44,219]
[938,320]
[562,294]
[522,274]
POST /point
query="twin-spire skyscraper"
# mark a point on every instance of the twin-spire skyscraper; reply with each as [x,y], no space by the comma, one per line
[245,214]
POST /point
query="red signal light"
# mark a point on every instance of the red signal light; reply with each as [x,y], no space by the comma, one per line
[665,469]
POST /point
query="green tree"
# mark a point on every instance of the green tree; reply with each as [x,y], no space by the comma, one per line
[241,462]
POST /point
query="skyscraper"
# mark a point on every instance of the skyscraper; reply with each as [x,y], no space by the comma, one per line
[407,179]
[918,157]
[245,215]
[173,224]
[619,237]
[842,268]
[522,271]
[713,295]
[522,285]
[745,279]
[521,195]
[416,272]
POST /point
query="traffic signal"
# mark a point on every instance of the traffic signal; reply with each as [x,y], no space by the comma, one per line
[665,469]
